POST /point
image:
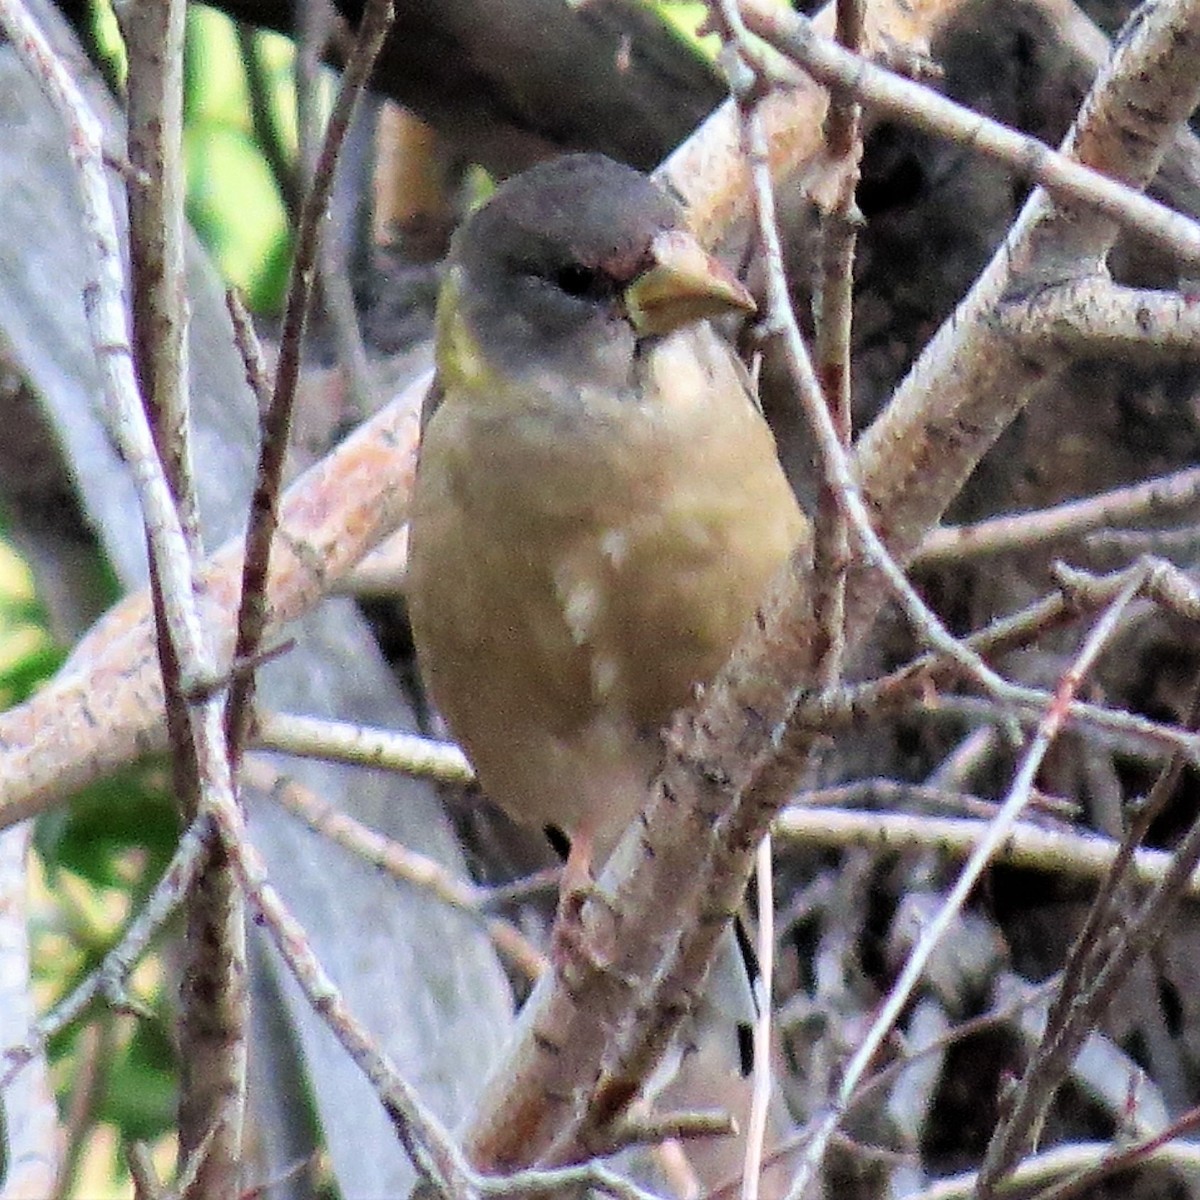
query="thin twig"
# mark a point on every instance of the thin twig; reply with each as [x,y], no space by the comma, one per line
[32,1134]
[155,189]
[1016,532]
[126,423]
[429,1144]
[276,422]
[888,1075]
[1099,960]
[835,463]
[834,307]
[1121,1158]
[265,122]
[250,349]
[1064,854]
[342,741]
[1157,579]
[93,1061]
[924,799]
[998,829]
[1062,1160]
[400,862]
[1176,543]
[108,979]
[756,1133]
[1066,179]
[212,996]
[335,260]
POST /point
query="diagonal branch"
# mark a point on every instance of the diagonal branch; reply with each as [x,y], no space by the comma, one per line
[58,740]
[733,758]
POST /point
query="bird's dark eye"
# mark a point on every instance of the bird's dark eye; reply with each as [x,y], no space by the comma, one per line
[582,282]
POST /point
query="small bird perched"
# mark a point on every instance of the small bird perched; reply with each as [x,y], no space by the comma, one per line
[598,504]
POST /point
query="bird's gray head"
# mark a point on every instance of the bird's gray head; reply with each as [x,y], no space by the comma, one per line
[546,261]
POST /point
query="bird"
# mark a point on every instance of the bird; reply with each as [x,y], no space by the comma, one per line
[598,505]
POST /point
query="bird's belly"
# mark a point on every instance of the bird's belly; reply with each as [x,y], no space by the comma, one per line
[557,675]
[569,592]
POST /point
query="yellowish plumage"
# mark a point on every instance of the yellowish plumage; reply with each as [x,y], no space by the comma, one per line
[580,562]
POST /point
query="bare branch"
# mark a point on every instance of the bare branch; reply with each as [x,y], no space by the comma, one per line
[1097,316]
[32,1137]
[55,742]
[399,861]
[108,980]
[1062,853]
[1022,531]
[1081,182]
[998,828]
[253,612]
[189,658]
[971,381]
[340,741]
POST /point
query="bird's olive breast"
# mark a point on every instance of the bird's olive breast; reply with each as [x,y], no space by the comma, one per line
[630,538]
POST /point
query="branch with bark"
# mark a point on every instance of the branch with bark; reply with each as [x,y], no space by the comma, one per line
[592,1034]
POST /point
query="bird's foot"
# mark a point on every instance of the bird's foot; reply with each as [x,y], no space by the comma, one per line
[574,946]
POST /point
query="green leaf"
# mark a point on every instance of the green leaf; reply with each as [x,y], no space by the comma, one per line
[93,833]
